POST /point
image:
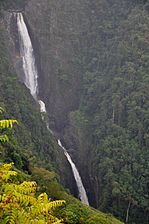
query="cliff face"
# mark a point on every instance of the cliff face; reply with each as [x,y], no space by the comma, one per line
[58,28]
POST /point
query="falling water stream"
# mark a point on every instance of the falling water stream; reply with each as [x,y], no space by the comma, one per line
[28,59]
[81,189]
[31,82]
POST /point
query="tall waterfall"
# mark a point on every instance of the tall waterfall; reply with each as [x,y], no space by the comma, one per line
[27,54]
[31,75]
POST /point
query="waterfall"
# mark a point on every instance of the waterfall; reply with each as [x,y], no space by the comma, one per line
[27,54]
[31,82]
[81,189]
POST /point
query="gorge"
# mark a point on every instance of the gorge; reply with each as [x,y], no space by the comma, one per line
[92,87]
[31,82]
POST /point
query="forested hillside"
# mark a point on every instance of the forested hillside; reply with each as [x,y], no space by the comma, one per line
[93,63]
[98,79]
[114,108]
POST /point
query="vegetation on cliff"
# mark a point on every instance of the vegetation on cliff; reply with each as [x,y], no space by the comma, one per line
[112,120]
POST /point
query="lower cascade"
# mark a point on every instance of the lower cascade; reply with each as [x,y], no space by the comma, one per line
[31,82]
[81,189]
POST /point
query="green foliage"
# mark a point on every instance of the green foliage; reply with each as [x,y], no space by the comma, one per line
[3,138]
[18,203]
[78,214]
[113,116]
[4,124]
[7,123]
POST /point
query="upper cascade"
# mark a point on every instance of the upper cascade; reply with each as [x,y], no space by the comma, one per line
[28,59]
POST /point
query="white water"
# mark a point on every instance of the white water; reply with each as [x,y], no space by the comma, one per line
[31,75]
[43,110]
[42,106]
[81,189]
[27,54]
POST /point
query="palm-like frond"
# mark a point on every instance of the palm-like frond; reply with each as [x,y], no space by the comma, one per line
[7,123]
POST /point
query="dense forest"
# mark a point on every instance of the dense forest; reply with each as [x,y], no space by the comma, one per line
[92,57]
[114,108]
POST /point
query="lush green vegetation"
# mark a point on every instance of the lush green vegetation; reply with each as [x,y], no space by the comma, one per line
[18,203]
[113,116]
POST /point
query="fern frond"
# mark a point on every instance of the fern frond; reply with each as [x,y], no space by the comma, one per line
[43,198]
[54,220]
[6,172]
[4,138]
[7,166]
[27,187]
[11,217]
[5,176]
[7,123]
[24,200]
[56,204]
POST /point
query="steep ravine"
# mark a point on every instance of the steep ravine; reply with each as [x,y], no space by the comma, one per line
[58,31]
[61,33]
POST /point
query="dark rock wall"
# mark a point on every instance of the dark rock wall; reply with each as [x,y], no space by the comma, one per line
[58,26]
